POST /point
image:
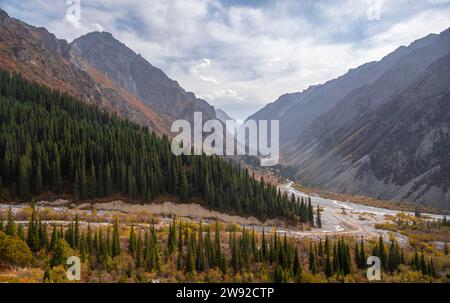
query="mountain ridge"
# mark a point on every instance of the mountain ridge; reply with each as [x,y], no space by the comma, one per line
[400,152]
[324,130]
[296,111]
[40,56]
[131,71]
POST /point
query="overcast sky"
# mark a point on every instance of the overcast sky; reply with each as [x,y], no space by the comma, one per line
[241,55]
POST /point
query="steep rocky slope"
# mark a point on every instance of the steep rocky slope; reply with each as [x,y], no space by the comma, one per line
[401,150]
[380,130]
[40,56]
[297,111]
[100,70]
[391,148]
[132,72]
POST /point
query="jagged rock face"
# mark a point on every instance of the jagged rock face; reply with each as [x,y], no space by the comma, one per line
[39,56]
[380,130]
[134,73]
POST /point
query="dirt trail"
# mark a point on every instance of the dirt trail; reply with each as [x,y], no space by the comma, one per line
[194,211]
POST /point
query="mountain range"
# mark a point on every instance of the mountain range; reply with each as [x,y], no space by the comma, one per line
[100,70]
[132,72]
[380,130]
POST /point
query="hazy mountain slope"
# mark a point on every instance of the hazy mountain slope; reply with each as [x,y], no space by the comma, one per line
[223,116]
[348,147]
[396,149]
[40,56]
[358,103]
[297,111]
[134,73]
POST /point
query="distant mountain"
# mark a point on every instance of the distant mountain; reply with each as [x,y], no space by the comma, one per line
[400,150]
[132,72]
[380,130]
[297,111]
[223,116]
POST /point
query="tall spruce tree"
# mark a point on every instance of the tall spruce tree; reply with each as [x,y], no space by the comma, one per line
[115,245]
[132,242]
[10,223]
[318,220]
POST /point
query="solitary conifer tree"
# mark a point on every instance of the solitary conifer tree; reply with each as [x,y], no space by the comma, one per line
[10,229]
[318,220]
[312,259]
[115,246]
[310,212]
[297,267]
[189,263]
[138,260]
[132,242]
[328,267]
[417,211]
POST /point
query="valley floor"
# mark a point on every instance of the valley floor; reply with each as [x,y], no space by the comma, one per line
[399,230]
[339,218]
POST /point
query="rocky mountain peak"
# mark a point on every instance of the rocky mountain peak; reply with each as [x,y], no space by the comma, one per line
[3,14]
[39,56]
[134,73]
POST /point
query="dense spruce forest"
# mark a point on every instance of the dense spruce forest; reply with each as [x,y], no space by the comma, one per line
[189,251]
[51,142]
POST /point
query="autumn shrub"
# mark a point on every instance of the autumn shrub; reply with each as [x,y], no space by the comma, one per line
[14,251]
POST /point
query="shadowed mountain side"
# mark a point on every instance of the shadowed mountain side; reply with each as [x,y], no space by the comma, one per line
[132,72]
[324,130]
[399,150]
[297,111]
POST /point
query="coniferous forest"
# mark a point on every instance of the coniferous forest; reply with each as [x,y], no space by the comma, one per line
[52,143]
[302,166]
[196,252]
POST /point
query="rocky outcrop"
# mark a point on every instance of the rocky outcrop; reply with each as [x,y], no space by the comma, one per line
[132,72]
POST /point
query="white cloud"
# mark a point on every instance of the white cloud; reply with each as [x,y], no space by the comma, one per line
[209,79]
[429,21]
[250,54]
[227,93]
[201,66]
[224,94]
